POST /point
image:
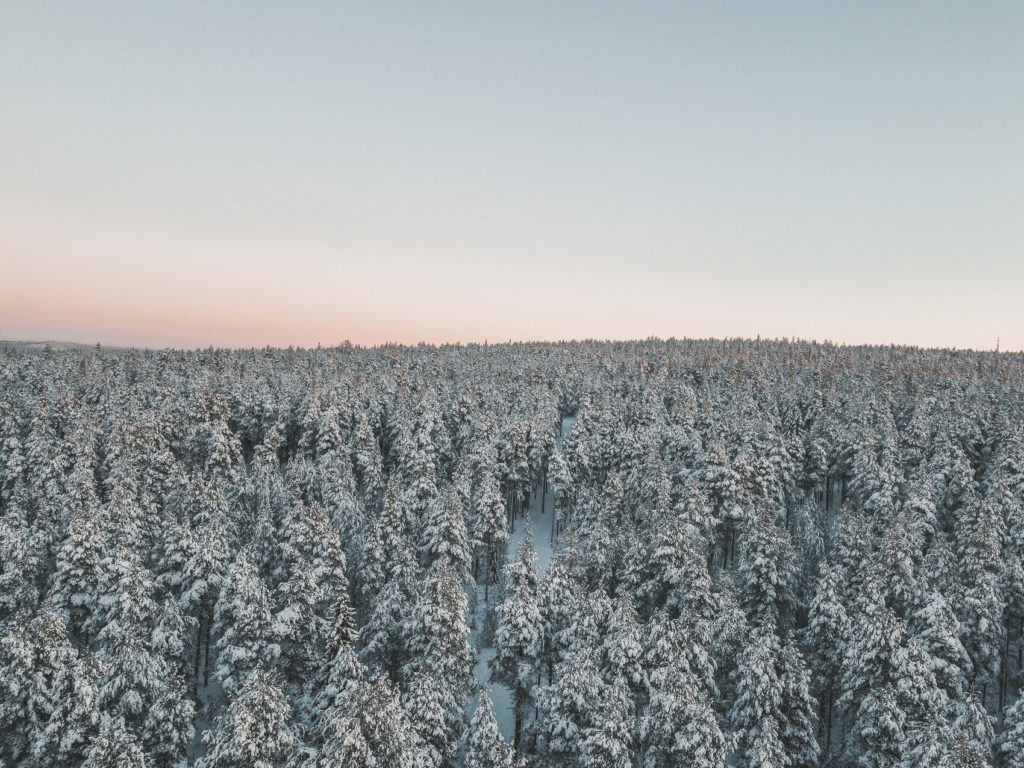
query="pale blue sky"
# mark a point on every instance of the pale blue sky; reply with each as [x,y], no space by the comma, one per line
[248,173]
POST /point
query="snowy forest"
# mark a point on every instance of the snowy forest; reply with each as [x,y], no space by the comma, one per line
[761,554]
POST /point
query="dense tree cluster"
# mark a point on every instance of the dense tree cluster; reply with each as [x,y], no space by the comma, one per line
[759,554]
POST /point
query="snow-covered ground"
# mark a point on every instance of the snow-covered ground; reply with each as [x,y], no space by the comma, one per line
[540,524]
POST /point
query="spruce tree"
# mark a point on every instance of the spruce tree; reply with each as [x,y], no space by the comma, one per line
[491,530]
[679,726]
[242,625]
[49,703]
[367,729]
[797,726]
[486,747]
[1011,742]
[254,732]
[115,747]
[757,713]
[518,639]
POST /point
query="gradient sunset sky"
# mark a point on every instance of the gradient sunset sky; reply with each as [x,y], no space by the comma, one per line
[242,174]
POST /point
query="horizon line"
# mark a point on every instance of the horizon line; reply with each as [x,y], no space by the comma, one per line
[348,344]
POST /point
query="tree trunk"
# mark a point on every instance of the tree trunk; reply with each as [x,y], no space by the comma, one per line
[1005,663]
[206,659]
[544,490]
[828,725]
[199,649]
[519,720]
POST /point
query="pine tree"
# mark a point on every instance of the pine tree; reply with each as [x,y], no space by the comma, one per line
[131,671]
[487,748]
[115,747]
[310,576]
[419,472]
[562,486]
[765,749]
[757,713]
[516,467]
[446,540]
[797,731]
[371,573]
[1011,741]
[877,734]
[980,609]
[266,491]
[610,742]
[423,703]
[327,559]
[12,458]
[556,601]
[766,568]
[205,570]
[222,451]
[680,582]
[297,630]
[581,719]
[722,485]
[21,558]
[653,488]
[518,637]
[48,706]
[76,580]
[437,642]
[342,671]
[242,625]
[254,732]
[973,727]
[679,726]
[367,729]
[937,629]
[383,634]
[491,530]
[168,729]
[337,492]
[673,641]
[621,654]
[368,462]
[825,639]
